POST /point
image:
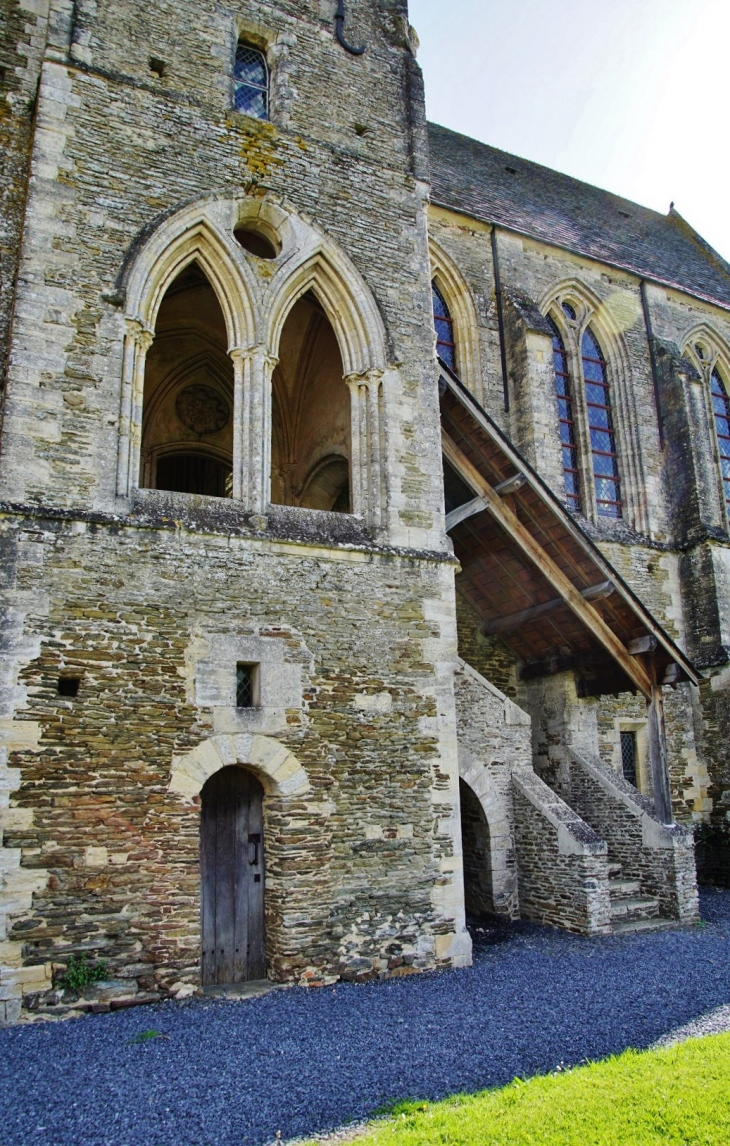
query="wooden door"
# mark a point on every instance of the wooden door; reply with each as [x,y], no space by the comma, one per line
[232,878]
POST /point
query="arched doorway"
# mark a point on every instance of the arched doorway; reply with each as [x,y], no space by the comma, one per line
[477,851]
[232,877]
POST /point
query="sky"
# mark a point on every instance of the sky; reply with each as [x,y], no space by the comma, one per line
[631,95]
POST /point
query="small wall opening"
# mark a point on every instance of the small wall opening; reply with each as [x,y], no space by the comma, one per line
[187,423]
[310,454]
[255,243]
[476,846]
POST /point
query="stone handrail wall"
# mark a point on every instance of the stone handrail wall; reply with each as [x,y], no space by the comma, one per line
[562,862]
[661,856]
[494,737]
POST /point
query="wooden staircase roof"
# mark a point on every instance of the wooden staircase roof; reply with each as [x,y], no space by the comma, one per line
[533,575]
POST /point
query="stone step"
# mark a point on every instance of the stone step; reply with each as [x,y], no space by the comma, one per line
[614,871]
[634,907]
[618,887]
[640,925]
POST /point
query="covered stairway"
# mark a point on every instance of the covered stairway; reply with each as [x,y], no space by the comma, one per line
[535,578]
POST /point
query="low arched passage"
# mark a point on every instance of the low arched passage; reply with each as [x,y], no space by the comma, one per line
[490,867]
[477,853]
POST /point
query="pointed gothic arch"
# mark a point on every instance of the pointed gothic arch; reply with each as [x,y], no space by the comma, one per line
[328,275]
[709,352]
[453,287]
[200,235]
[575,309]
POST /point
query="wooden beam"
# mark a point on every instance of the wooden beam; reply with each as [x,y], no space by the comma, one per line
[514,620]
[476,505]
[641,645]
[547,567]
[511,485]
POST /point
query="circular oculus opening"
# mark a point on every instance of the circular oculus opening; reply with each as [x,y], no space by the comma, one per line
[255,243]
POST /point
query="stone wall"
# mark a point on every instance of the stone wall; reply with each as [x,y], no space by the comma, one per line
[363,867]
[563,871]
[660,856]
[493,739]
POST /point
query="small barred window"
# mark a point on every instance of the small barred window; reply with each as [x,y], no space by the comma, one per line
[721,410]
[600,425]
[629,757]
[566,421]
[444,324]
[251,76]
[246,686]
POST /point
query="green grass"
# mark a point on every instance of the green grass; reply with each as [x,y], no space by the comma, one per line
[678,1095]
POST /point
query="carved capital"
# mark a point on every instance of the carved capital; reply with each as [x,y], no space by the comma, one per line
[140,334]
[369,378]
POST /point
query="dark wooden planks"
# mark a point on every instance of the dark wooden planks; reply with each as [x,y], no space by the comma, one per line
[232,878]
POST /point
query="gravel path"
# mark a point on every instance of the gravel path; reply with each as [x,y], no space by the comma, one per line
[302,1061]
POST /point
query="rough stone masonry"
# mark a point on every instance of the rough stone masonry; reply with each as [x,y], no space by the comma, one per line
[221,462]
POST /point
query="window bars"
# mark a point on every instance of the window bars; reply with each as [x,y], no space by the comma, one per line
[245,690]
[628,756]
[600,426]
[444,324]
[566,421]
[251,78]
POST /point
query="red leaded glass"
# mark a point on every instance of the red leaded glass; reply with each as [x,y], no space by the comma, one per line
[444,324]
[566,421]
[721,410]
[600,426]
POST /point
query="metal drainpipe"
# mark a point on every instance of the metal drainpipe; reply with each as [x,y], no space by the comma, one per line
[500,317]
[652,356]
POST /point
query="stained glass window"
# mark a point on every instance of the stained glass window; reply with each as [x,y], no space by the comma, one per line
[444,323]
[600,426]
[251,76]
[566,421]
[721,410]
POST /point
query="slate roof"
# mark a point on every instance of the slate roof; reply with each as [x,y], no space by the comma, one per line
[497,187]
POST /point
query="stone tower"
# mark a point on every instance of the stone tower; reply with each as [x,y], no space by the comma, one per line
[238,739]
[208,299]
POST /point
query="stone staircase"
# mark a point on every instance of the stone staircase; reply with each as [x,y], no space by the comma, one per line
[630,910]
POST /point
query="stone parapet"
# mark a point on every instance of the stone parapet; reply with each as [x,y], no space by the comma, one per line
[561,861]
[660,855]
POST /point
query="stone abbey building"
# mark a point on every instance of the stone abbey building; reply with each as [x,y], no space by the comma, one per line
[363,514]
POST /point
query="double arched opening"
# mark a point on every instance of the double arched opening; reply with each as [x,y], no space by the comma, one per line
[253,366]
[189,403]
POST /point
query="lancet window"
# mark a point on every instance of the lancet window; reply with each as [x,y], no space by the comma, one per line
[721,411]
[187,424]
[311,424]
[444,324]
[566,421]
[601,429]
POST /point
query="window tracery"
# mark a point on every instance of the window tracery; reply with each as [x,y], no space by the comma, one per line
[594,428]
